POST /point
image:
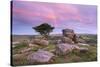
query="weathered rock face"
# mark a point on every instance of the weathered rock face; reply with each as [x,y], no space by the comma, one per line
[70,34]
[35,41]
[40,42]
[44,42]
[63,48]
[26,50]
[30,45]
[67,40]
[40,56]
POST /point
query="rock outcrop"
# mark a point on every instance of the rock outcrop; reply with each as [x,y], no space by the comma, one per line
[65,48]
[40,42]
[25,50]
[69,33]
[67,40]
[40,56]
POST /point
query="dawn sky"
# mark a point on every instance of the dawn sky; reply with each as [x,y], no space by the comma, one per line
[28,14]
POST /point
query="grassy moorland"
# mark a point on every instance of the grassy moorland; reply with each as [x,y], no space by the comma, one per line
[91,55]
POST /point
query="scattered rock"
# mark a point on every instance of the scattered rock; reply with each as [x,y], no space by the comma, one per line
[81,40]
[58,41]
[65,48]
[32,45]
[83,50]
[40,56]
[26,41]
[18,57]
[70,34]
[67,40]
[26,50]
[15,43]
[40,42]
[13,46]
[83,44]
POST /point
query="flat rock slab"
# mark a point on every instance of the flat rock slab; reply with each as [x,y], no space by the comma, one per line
[40,56]
[83,49]
[25,50]
[83,44]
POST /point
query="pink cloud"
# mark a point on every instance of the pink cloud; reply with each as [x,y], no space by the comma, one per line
[50,12]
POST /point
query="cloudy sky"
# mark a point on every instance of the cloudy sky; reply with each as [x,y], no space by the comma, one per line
[28,14]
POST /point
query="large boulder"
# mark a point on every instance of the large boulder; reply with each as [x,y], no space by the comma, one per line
[44,42]
[25,50]
[70,34]
[65,48]
[32,45]
[40,42]
[40,56]
[67,40]
[35,41]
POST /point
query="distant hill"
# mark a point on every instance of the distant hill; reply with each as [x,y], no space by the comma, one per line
[55,36]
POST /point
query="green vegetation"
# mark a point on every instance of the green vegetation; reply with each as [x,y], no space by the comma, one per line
[91,55]
[18,47]
[89,38]
[74,56]
[21,45]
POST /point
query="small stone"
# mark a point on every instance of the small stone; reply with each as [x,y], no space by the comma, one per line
[83,44]
[15,43]
[18,56]
[32,45]
[83,50]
